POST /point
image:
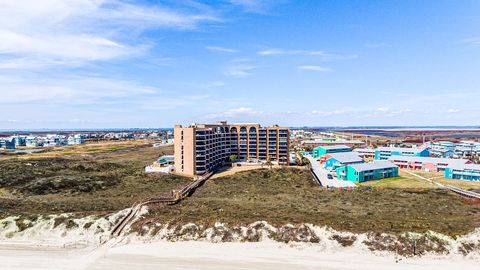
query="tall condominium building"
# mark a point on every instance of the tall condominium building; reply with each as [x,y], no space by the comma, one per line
[201,148]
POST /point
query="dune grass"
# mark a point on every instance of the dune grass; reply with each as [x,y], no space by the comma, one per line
[87,182]
[282,196]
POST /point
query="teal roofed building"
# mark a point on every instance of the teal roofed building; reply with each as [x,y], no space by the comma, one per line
[363,172]
[323,150]
[165,160]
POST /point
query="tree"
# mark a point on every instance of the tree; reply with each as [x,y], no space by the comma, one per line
[232,158]
[269,163]
[283,160]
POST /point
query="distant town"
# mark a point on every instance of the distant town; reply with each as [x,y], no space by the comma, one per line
[352,155]
[337,159]
[40,140]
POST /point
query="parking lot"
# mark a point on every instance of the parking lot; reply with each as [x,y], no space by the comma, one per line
[322,175]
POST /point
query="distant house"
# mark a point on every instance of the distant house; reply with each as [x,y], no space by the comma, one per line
[469,172]
[322,150]
[76,139]
[7,143]
[467,149]
[362,172]
[336,160]
[55,140]
[443,149]
[18,140]
[33,141]
[431,164]
[383,153]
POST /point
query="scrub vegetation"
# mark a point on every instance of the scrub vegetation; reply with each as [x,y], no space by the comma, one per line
[95,180]
[99,180]
[282,196]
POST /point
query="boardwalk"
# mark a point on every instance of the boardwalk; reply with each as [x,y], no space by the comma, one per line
[460,191]
[177,195]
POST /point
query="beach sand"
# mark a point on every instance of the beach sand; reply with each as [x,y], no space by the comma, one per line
[204,255]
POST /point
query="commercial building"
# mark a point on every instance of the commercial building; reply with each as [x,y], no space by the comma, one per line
[336,160]
[363,172]
[365,153]
[443,149]
[201,148]
[467,149]
[383,153]
[431,164]
[469,172]
[330,149]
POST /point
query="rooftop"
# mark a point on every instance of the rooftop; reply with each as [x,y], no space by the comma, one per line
[430,159]
[333,147]
[364,150]
[475,167]
[374,165]
[166,159]
[346,157]
[402,149]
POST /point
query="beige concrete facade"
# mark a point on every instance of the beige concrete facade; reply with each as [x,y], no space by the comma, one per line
[202,148]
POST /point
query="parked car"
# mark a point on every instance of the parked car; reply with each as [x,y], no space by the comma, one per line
[329,176]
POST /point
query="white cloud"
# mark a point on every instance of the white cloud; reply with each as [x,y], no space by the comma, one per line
[239,71]
[69,91]
[328,113]
[472,41]
[290,52]
[59,32]
[57,48]
[237,112]
[206,85]
[385,112]
[221,49]
[382,109]
[255,6]
[314,68]
[320,54]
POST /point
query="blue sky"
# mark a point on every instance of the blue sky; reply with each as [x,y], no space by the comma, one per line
[121,63]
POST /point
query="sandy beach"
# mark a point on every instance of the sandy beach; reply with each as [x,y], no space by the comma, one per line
[204,255]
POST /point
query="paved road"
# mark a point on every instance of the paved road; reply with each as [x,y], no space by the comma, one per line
[321,174]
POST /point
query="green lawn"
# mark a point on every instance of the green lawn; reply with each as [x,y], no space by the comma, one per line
[406,180]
